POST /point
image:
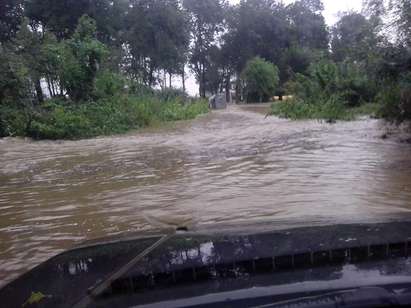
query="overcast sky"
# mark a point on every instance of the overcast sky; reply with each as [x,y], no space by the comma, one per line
[332,7]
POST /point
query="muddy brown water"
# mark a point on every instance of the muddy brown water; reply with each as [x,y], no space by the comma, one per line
[228,168]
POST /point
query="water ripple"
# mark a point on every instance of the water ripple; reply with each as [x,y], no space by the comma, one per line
[229,168]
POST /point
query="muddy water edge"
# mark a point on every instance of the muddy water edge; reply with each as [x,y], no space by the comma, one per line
[229,168]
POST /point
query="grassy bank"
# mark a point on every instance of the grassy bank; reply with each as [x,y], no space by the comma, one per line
[330,111]
[62,119]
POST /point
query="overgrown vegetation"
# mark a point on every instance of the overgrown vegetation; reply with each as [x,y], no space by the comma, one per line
[328,91]
[61,61]
[62,120]
[87,99]
[367,72]
[261,80]
[329,111]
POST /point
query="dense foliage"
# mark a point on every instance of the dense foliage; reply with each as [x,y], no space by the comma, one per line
[85,97]
[75,58]
[62,120]
[367,65]
[328,90]
[260,79]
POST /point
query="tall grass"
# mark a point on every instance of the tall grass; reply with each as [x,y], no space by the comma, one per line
[118,114]
[331,110]
[329,91]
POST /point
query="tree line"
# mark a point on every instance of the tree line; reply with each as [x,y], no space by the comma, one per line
[78,50]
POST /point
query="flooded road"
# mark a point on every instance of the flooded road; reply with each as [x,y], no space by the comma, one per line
[229,168]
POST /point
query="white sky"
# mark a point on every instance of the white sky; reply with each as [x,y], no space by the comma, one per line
[332,8]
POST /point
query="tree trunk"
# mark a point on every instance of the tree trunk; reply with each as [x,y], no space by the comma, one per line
[53,88]
[150,77]
[39,92]
[183,77]
[227,89]
[202,82]
[49,87]
[170,77]
[237,90]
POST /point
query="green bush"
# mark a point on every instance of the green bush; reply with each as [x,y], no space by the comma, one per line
[395,99]
[175,111]
[389,98]
[261,78]
[170,94]
[329,91]
[326,78]
[329,109]
[193,109]
[61,119]
[13,121]
[108,84]
[140,90]
[60,123]
[354,86]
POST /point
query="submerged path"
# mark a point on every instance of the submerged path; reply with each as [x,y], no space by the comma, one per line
[229,168]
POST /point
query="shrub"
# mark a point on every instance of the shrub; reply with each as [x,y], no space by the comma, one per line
[405,96]
[326,78]
[13,121]
[170,94]
[261,78]
[61,123]
[329,91]
[195,108]
[389,98]
[353,85]
[61,119]
[175,111]
[395,99]
[139,89]
[329,109]
[108,84]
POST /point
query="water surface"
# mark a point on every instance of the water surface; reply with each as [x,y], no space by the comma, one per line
[233,167]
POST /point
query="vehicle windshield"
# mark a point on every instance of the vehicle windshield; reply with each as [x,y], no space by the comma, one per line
[151,117]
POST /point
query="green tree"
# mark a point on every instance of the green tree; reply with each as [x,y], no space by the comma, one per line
[62,17]
[401,12]
[354,38]
[157,38]
[254,28]
[11,13]
[263,29]
[296,59]
[206,22]
[28,44]
[80,59]
[15,93]
[14,79]
[261,79]
[308,28]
